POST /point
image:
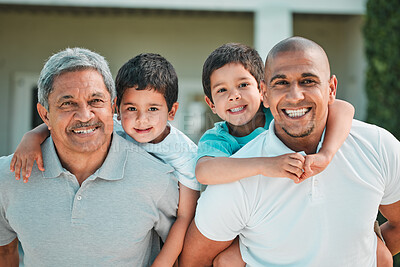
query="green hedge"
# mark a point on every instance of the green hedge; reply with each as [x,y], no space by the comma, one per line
[382,43]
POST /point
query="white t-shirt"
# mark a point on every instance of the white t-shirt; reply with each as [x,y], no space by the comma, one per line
[326,220]
[176,150]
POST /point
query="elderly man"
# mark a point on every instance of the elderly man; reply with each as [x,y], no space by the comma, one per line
[326,220]
[102,201]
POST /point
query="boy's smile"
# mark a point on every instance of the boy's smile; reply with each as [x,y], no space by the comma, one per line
[144,115]
[236,97]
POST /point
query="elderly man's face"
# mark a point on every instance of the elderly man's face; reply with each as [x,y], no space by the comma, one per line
[298,90]
[80,112]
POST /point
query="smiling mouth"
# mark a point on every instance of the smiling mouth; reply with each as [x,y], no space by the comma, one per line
[143,130]
[296,113]
[84,131]
[237,109]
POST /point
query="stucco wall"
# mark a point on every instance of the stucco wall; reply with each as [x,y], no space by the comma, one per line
[341,37]
[184,38]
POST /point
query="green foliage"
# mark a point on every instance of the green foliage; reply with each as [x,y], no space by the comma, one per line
[382,43]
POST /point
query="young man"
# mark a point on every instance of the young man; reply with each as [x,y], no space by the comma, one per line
[325,220]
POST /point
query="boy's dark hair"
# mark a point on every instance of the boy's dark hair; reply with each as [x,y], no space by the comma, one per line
[148,70]
[232,53]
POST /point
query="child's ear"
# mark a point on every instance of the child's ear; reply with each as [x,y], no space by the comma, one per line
[116,108]
[44,114]
[210,104]
[264,95]
[172,112]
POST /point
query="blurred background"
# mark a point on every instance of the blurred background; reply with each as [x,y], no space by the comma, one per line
[361,38]
[185,32]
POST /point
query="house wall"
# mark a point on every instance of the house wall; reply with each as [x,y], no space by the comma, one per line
[341,37]
[184,38]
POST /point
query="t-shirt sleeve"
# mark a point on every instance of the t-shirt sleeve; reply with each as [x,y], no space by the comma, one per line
[390,162]
[222,211]
[167,207]
[215,144]
[186,174]
[7,234]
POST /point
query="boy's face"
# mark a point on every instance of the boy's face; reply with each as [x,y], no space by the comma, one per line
[144,115]
[235,94]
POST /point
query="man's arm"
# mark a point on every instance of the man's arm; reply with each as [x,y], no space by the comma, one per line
[9,254]
[391,228]
[198,250]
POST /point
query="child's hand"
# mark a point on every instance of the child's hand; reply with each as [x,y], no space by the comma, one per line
[314,164]
[24,157]
[287,165]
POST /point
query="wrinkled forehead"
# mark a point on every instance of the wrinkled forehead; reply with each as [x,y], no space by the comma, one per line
[311,60]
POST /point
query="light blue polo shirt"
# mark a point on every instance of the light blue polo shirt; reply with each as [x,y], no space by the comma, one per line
[115,218]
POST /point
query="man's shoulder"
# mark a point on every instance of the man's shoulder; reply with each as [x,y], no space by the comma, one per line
[371,134]
[6,176]
[5,164]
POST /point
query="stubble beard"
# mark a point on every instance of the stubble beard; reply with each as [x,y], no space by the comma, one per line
[300,135]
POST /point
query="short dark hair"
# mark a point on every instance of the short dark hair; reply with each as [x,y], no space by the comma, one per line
[148,70]
[232,53]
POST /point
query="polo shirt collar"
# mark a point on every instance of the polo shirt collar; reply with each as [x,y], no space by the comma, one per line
[112,168]
[53,167]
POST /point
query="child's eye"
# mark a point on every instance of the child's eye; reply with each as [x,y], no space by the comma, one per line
[131,109]
[221,90]
[153,109]
[243,85]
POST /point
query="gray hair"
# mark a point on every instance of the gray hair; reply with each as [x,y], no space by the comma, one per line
[69,60]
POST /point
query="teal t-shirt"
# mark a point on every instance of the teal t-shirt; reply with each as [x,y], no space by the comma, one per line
[218,142]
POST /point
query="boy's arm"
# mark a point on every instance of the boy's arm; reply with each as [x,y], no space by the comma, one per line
[340,118]
[9,254]
[174,242]
[220,170]
[28,151]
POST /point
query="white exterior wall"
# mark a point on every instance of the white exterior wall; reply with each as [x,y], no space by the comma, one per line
[184,38]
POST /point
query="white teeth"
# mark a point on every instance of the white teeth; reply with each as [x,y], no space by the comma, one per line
[293,113]
[237,109]
[84,131]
